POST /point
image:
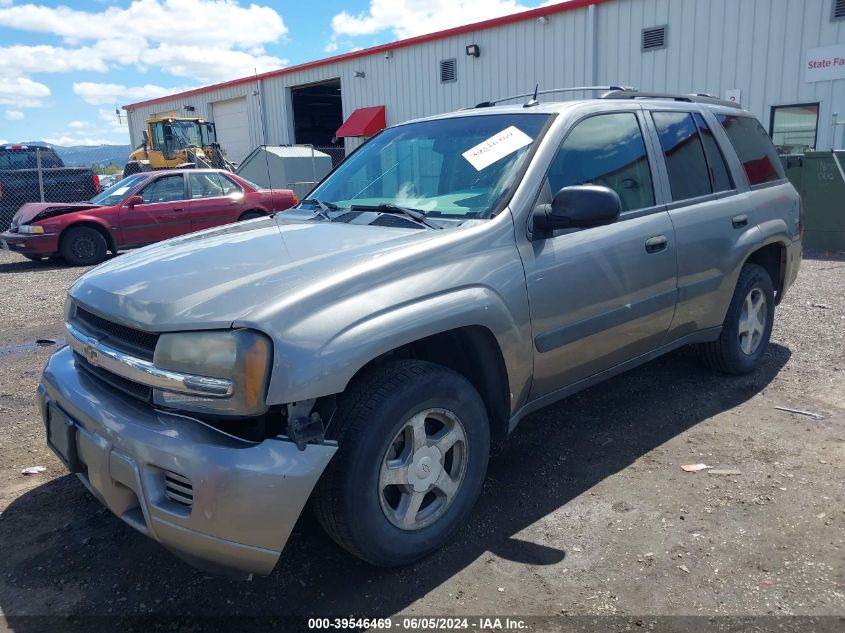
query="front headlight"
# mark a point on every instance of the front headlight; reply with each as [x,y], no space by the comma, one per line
[31,228]
[242,356]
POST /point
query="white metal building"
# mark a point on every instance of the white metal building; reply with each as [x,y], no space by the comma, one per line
[784,60]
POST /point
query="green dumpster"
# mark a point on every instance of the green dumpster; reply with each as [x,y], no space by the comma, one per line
[820,179]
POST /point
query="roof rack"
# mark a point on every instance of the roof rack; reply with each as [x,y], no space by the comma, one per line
[535,92]
[701,97]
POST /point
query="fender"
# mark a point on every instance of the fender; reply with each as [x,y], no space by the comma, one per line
[85,218]
[310,373]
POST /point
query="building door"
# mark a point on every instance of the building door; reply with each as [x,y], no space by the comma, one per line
[232,124]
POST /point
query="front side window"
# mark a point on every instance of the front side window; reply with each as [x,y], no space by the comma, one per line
[164,189]
[754,148]
[794,127]
[205,185]
[606,150]
[684,153]
[158,135]
[460,168]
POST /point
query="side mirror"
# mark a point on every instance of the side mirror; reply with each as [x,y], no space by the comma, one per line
[578,206]
[133,200]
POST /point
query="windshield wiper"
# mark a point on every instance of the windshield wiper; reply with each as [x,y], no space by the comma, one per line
[388,207]
[324,207]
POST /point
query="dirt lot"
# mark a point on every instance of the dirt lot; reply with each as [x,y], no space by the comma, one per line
[585,510]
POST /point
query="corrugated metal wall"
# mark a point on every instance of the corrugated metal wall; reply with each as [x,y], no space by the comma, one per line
[756,46]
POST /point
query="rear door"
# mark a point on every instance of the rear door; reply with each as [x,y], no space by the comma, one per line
[711,213]
[215,200]
[161,215]
[601,296]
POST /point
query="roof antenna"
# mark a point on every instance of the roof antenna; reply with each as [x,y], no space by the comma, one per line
[533,101]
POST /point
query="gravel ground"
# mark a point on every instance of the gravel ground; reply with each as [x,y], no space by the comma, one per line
[585,510]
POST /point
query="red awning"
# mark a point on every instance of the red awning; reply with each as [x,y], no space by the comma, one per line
[363,122]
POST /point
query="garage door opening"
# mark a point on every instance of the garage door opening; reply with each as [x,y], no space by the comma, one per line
[317,113]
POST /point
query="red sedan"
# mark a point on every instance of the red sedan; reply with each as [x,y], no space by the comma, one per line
[141,209]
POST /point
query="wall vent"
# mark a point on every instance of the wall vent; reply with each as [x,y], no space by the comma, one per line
[654,38]
[838,11]
[448,70]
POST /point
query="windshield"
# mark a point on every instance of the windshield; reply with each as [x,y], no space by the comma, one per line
[118,191]
[186,133]
[451,168]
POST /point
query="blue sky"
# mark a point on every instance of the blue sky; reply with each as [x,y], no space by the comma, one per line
[65,66]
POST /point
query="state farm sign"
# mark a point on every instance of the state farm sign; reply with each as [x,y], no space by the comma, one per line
[825,63]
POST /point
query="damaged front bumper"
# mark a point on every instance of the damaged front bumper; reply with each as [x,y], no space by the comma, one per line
[221,503]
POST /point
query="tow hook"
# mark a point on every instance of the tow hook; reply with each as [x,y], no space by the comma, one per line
[302,431]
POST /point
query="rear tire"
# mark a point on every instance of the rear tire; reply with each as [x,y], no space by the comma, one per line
[747,326]
[83,246]
[414,440]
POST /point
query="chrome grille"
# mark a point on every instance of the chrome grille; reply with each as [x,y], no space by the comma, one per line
[119,336]
[134,389]
[178,488]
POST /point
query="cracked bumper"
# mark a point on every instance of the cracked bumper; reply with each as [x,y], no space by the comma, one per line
[246,496]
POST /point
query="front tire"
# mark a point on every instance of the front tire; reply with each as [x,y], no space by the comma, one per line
[83,246]
[414,440]
[747,326]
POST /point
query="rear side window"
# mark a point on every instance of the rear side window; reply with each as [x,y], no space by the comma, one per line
[685,161]
[720,175]
[754,148]
[229,185]
[606,150]
[205,185]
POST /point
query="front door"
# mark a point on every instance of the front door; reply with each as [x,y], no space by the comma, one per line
[603,295]
[162,214]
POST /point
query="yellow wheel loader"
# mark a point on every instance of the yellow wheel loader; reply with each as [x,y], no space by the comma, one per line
[175,142]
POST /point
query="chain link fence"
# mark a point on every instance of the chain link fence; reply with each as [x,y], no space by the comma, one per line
[36,173]
[44,173]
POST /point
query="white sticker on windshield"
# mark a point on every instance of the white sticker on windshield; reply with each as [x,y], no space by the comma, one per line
[497,146]
[120,191]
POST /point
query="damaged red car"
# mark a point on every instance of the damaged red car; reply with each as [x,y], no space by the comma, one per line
[139,210]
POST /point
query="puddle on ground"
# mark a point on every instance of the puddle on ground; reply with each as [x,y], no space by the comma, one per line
[22,348]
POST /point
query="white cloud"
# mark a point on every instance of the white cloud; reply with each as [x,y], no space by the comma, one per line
[216,40]
[78,140]
[22,92]
[407,18]
[209,65]
[14,115]
[78,125]
[331,47]
[201,22]
[111,94]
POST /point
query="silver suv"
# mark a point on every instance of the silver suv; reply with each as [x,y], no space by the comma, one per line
[451,276]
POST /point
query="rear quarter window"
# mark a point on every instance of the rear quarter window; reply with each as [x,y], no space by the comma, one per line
[754,148]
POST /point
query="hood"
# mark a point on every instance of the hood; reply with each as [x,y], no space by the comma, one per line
[210,279]
[28,211]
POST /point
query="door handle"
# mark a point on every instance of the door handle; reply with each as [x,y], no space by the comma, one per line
[179,209]
[656,244]
[739,221]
